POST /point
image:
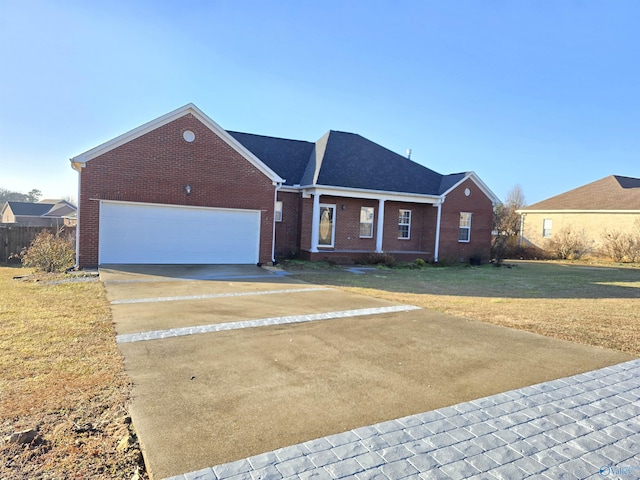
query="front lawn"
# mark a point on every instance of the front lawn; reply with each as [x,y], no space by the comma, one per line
[597,306]
[62,375]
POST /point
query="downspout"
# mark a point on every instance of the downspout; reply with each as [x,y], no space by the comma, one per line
[273,239]
[77,167]
[436,250]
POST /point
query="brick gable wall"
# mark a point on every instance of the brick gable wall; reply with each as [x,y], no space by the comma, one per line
[451,250]
[155,167]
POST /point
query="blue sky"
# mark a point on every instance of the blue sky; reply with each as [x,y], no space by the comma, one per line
[545,94]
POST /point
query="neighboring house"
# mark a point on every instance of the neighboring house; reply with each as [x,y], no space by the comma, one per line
[606,205]
[45,213]
[180,189]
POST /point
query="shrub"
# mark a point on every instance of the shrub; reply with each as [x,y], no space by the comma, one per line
[381,259]
[420,263]
[568,244]
[50,253]
[621,247]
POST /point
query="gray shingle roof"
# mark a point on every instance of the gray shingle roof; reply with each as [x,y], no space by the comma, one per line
[345,160]
[30,209]
[288,158]
[610,193]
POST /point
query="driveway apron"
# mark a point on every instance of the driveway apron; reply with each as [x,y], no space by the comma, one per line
[229,362]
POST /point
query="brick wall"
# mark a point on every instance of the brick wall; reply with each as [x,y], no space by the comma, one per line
[155,167]
[347,226]
[481,224]
[422,231]
[288,230]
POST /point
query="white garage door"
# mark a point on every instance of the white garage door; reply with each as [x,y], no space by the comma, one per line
[175,234]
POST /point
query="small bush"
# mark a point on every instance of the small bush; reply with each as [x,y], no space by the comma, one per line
[568,244]
[381,259]
[50,253]
[420,263]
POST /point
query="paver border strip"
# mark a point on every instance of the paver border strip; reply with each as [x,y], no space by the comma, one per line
[263,322]
[443,443]
[216,295]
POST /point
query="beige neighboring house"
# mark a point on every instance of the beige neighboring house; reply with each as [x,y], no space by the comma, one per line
[606,205]
[45,213]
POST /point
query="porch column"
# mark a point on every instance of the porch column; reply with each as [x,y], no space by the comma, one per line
[436,249]
[380,229]
[315,223]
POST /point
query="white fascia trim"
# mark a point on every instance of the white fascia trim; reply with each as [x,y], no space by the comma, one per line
[481,185]
[79,160]
[171,205]
[289,188]
[371,194]
[524,212]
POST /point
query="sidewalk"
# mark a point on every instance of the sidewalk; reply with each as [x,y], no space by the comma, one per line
[584,426]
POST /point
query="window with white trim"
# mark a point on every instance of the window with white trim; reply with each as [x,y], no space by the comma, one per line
[277,215]
[404,224]
[366,222]
[326,230]
[547,226]
[464,231]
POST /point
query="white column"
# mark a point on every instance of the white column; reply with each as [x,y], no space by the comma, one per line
[380,229]
[436,249]
[315,222]
[273,239]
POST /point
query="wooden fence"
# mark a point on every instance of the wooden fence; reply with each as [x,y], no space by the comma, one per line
[13,238]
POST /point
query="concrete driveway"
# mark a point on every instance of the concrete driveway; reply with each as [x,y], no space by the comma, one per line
[231,361]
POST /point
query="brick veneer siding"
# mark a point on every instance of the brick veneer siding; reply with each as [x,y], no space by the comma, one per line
[477,203]
[155,167]
[288,230]
[594,224]
[347,229]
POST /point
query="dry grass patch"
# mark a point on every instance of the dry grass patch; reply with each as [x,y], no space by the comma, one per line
[594,306]
[61,374]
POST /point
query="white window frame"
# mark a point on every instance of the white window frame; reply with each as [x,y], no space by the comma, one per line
[277,214]
[465,226]
[367,220]
[323,207]
[407,224]
[547,227]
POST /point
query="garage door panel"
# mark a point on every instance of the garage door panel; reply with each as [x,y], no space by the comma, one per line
[143,233]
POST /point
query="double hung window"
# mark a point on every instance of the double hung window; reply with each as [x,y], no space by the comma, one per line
[464,231]
[404,224]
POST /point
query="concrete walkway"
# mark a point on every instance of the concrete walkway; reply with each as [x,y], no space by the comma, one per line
[583,426]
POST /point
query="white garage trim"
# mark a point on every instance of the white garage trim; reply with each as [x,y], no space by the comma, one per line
[151,233]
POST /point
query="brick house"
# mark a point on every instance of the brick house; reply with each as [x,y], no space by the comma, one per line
[182,190]
[606,205]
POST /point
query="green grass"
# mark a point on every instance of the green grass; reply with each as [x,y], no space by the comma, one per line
[597,306]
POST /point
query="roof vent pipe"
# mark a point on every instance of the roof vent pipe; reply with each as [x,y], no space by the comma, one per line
[409,153]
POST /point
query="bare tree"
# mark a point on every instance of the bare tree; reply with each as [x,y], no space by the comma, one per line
[506,224]
[10,196]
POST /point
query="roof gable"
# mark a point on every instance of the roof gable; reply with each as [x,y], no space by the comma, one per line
[78,161]
[352,161]
[610,193]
